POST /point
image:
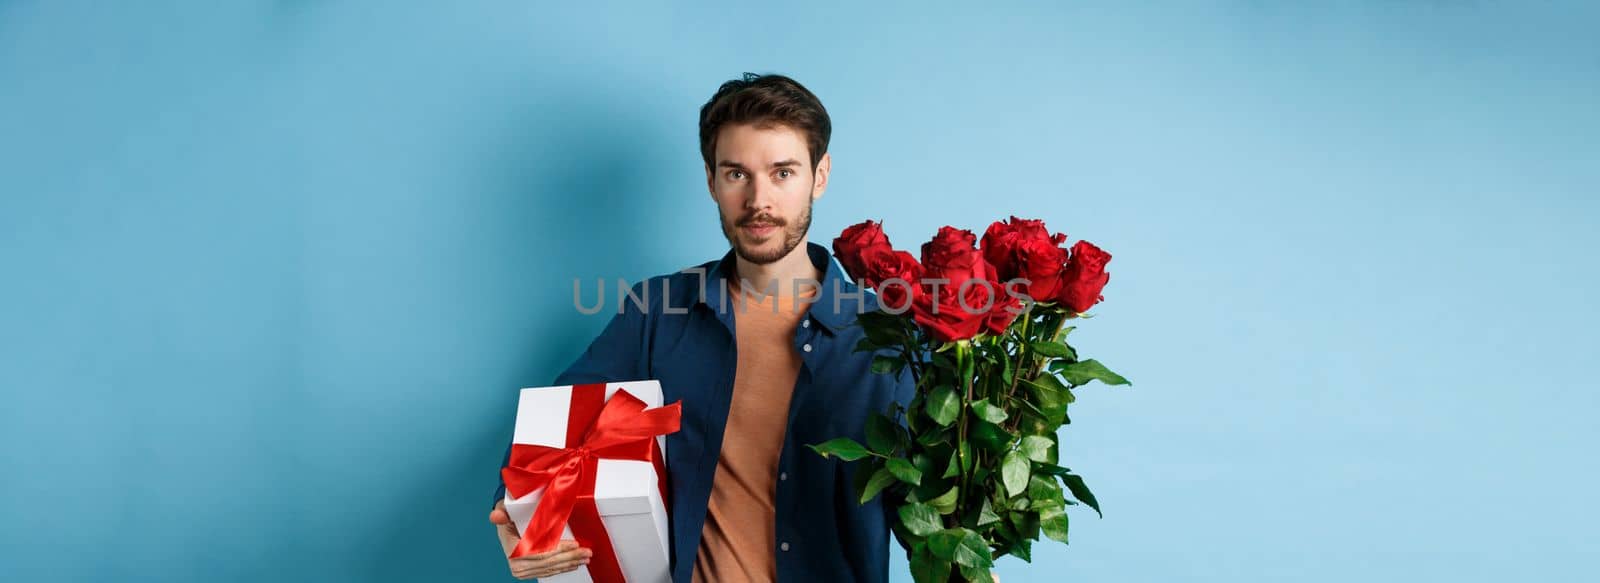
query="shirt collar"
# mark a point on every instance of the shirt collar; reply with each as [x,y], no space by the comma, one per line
[838,300]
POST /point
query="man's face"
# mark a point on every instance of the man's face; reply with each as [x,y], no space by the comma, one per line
[764,185]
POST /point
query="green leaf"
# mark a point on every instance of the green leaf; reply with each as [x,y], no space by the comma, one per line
[1062,335]
[863,472]
[882,337]
[1050,380]
[1050,400]
[1079,373]
[986,515]
[976,574]
[1039,448]
[991,437]
[904,535]
[1007,369]
[1003,531]
[920,519]
[988,411]
[1044,491]
[930,490]
[866,345]
[955,462]
[923,462]
[1026,522]
[1051,349]
[1081,491]
[960,546]
[883,364]
[1014,472]
[847,449]
[1053,521]
[882,434]
[943,406]
[1053,470]
[946,502]
[883,321]
[904,471]
[1023,549]
[926,568]
[879,480]
[1033,422]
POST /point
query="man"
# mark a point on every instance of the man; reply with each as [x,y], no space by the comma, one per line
[759,346]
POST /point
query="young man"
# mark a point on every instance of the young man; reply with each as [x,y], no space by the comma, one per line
[759,347]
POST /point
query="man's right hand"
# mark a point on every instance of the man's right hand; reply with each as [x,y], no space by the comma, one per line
[566,557]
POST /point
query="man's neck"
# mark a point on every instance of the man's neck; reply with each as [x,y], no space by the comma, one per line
[783,273]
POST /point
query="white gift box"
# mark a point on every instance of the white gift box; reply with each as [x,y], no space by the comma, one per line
[625,492]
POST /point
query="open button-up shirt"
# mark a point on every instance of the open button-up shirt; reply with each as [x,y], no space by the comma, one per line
[684,337]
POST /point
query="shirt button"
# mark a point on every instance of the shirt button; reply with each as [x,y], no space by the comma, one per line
[805,323]
[784,546]
[806,347]
[783,476]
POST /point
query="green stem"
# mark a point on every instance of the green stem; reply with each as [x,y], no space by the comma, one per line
[962,358]
[1023,348]
[913,355]
[1033,366]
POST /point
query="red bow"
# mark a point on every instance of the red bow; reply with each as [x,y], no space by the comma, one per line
[618,429]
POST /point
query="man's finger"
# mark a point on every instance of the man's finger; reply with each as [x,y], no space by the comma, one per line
[561,562]
[551,557]
[499,516]
[565,566]
[565,546]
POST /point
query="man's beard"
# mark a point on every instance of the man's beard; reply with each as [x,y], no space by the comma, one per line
[792,235]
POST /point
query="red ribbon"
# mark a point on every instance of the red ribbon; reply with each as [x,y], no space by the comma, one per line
[619,429]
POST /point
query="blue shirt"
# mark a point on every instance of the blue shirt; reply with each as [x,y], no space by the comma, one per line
[685,338]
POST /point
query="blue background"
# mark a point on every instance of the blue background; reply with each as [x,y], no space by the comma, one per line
[274,270]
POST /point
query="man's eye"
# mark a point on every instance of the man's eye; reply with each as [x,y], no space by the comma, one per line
[735,175]
[785,173]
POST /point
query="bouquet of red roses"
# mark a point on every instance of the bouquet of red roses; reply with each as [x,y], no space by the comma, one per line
[972,461]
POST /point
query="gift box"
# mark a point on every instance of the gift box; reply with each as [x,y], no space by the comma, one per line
[588,463]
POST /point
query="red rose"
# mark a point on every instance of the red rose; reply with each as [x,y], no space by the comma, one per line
[1040,262]
[1024,248]
[880,264]
[854,242]
[1004,311]
[1084,277]
[951,317]
[959,313]
[951,255]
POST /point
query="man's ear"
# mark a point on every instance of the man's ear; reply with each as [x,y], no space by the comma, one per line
[710,189]
[823,167]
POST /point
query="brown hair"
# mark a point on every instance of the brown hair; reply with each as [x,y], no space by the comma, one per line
[765,100]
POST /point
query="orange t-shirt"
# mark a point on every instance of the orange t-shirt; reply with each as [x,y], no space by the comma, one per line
[738,541]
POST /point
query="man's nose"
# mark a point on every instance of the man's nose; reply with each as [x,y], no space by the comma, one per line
[762,193]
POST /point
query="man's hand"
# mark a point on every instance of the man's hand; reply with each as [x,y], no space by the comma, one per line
[566,557]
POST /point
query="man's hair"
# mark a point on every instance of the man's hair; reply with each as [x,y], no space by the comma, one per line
[765,101]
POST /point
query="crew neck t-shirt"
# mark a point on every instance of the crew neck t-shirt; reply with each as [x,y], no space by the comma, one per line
[738,542]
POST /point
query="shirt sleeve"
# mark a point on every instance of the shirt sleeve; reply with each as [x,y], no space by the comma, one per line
[617,354]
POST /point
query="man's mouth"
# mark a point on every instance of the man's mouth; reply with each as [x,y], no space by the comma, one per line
[760,226]
[760,229]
